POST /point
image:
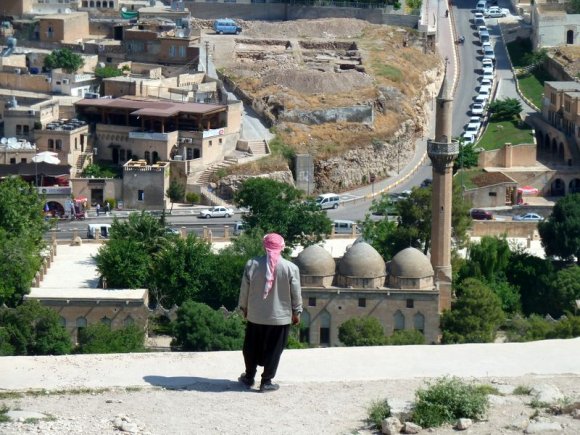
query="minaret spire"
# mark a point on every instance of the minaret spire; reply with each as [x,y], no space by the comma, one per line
[442,150]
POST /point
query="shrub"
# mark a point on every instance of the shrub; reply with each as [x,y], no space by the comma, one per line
[99,338]
[361,331]
[447,400]
[192,197]
[405,337]
[378,411]
[112,202]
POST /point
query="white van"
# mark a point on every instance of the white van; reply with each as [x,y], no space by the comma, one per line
[328,200]
[481,6]
[345,227]
[239,228]
[101,229]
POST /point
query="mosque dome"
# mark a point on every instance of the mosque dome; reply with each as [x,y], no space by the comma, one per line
[411,263]
[362,261]
[315,261]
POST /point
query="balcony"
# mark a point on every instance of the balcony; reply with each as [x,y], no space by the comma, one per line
[144,135]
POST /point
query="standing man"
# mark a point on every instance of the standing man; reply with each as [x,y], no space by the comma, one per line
[271,300]
[98,208]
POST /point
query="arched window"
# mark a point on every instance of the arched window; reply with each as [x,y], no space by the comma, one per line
[570,37]
[399,320]
[50,144]
[419,322]
[155,157]
[305,327]
[106,321]
[148,157]
[574,186]
[59,144]
[62,321]
[76,143]
[128,321]
[325,328]
[81,322]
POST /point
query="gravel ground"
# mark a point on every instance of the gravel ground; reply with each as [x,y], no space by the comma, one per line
[224,407]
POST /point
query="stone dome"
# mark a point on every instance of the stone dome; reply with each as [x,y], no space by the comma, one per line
[411,263]
[362,261]
[315,261]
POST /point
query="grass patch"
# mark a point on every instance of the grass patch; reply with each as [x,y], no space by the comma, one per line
[522,390]
[488,389]
[532,85]
[465,177]
[519,51]
[388,71]
[537,404]
[499,133]
[446,400]
[378,411]
[5,395]
[3,411]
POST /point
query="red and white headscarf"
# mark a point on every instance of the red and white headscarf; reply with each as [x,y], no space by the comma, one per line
[274,245]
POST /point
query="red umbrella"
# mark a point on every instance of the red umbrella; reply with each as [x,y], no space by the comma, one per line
[81,199]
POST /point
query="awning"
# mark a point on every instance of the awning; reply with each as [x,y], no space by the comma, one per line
[528,190]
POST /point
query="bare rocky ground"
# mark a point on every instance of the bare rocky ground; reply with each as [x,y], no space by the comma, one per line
[224,407]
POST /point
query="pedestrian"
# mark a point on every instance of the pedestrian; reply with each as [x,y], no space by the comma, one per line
[446,13]
[271,300]
[98,208]
[107,208]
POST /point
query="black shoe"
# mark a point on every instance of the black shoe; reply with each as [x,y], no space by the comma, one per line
[248,382]
[266,387]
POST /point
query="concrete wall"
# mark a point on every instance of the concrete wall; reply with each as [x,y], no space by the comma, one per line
[153,181]
[556,70]
[497,195]
[285,12]
[499,228]
[24,82]
[509,156]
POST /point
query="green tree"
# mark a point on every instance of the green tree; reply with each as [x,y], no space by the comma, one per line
[192,197]
[100,338]
[505,109]
[405,337]
[199,328]
[488,259]
[468,157]
[183,270]
[64,58]
[361,331]
[278,207]
[21,229]
[533,277]
[566,289]
[475,316]
[31,329]
[560,233]
[175,192]
[107,72]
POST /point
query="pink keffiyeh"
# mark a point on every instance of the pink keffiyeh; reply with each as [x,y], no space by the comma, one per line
[273,244]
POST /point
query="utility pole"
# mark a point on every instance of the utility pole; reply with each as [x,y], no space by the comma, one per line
[207,57]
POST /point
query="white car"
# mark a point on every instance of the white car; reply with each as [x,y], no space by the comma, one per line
[495,12]
[487,62]
[471,132]
[217,211]
[482,29]
[486,81]
[483,89]
[481,98]
[487,76]
[477,108]
[475,120]
[488,52]
[529,217]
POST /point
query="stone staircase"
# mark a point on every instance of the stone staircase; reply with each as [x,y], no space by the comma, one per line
[202,179]
[258,147]
[84,159]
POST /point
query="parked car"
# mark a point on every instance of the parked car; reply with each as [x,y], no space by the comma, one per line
[475,120]
[426,182]
[477,15]
[471,132]
[495,12]
[328,200]
[172,231]
[488,76]
[345,227]
[488,52]
[226,25]
[239,228]
[218,211]
[479,20]
[486,62]
[482,29]
[484,37]
[481,6]
[477,108]
[529,217]
[480,214]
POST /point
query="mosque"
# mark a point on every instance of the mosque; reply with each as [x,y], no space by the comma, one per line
[408,292]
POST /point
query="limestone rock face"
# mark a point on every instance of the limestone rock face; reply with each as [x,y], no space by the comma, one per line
[546,393]
[229,185]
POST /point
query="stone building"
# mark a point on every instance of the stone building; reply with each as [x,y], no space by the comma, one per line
[69,27]
[401,294]
[144,185]
[552,25]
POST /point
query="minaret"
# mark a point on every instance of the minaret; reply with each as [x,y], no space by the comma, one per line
[442,151]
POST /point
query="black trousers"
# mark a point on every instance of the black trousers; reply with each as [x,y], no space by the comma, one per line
[263,346]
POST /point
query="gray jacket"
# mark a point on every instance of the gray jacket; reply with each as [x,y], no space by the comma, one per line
[284,298]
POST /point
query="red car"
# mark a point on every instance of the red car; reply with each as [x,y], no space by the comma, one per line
[482,215]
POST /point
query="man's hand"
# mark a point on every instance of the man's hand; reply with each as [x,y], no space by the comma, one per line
[295,318]
[245,311]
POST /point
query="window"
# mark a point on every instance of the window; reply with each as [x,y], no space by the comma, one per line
[141,195]
[76,143]
[172,51]
[128,321]
[81,322]
[23,160]
[210,143]
[59,144]
[362,302]
[12,160]
[492,193]
[399,319]
[311,302]
[553,98]
[567,106]
[18,129]
[410,303]
[25,129]
[181,51]
[220,140]
[419,322]
[325,328]
[62,321]
[50,144]
[106,321]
